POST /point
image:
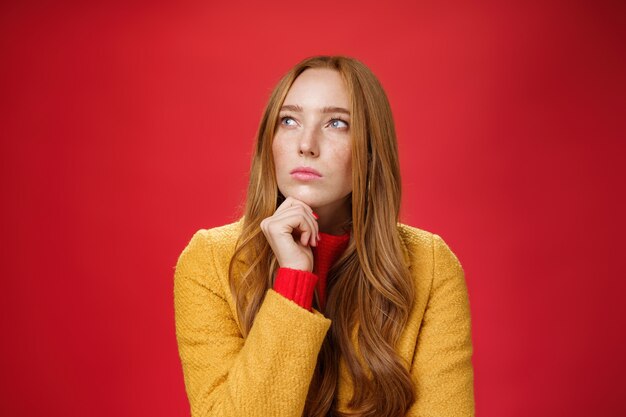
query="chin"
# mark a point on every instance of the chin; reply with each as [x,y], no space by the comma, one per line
[306,197]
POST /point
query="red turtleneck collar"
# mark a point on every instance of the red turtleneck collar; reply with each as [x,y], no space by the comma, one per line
[328,250]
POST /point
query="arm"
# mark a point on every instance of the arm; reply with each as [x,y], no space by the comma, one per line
[266,374]
[442,366]
[296,285]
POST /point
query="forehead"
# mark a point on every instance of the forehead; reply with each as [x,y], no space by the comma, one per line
[318,87]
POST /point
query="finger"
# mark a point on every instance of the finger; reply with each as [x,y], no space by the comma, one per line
[309,218]
[295,203]
[296,219]
[304,238]
[289,202]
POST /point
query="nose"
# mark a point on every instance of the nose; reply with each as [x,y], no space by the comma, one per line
[309,144]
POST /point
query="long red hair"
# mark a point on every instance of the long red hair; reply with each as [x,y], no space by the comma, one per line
[369,287]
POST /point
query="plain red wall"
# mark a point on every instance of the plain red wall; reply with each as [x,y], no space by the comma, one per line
[127,127]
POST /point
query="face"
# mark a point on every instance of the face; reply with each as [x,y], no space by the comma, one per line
[313,134]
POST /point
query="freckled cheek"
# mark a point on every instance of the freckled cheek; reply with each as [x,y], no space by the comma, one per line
[348,171]
[278,154]
[346,162]
[347,157]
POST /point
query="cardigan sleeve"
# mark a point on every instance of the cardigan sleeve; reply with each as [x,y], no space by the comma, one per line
[266,374]
[442,365]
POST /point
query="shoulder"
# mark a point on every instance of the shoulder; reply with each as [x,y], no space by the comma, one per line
[219,236]
[431,261]
[208,243]
[416,245]
[423,241]
[439,276]
[438,269]
[414,236]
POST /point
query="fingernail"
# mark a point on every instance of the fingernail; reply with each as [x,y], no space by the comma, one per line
[315,215]
[319,238]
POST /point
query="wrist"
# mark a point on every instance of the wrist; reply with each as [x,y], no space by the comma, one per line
[296,285]
[296,266]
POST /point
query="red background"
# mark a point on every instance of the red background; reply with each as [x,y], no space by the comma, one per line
[127,127]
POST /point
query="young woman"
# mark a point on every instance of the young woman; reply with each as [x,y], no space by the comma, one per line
[318,301]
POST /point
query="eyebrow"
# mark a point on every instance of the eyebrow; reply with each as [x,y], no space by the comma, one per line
[327,109]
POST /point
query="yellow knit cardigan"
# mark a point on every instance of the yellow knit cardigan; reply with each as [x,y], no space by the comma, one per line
[268,373]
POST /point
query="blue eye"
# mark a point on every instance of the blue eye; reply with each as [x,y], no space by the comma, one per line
[283,119]
[335,121]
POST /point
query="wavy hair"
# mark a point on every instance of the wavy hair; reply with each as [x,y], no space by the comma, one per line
[370,293]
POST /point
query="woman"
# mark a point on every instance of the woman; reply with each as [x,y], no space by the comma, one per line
[317,301]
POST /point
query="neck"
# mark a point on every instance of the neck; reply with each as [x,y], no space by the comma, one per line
[333,216]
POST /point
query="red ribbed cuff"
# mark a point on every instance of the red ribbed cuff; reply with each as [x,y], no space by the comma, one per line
[296,285]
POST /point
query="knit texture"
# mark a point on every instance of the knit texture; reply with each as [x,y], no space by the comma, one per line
[298,285]
[326,253]
[268,373]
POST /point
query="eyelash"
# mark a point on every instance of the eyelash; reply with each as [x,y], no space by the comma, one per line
[282,119]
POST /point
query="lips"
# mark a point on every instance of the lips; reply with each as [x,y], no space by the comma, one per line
[306,170]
